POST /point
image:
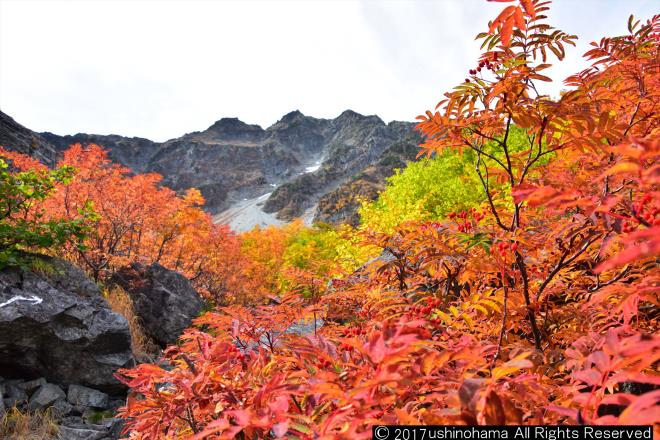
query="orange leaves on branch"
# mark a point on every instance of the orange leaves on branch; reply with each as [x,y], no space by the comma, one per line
[639,245]
[22,162]
[613,372]
[508,17]
[512,16]
[539,307]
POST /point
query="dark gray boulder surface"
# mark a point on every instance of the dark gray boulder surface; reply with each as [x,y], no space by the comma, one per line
[45,396]
[55,324]
[164,300]
[13,395]
[82,396]
[31,385]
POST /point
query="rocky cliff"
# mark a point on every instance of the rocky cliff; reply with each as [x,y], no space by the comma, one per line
[341,205]
[299,166]
[15,137]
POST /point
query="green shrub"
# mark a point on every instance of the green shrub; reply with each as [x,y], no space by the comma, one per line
[430,188]
[23,224]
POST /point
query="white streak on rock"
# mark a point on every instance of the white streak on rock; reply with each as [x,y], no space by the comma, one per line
[33,299]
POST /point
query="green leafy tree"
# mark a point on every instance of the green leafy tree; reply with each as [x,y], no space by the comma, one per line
[23,225]
[327,250]
[427,189]
[431,188]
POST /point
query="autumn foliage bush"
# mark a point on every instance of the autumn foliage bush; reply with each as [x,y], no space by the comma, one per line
[134,218]
[538,307]
[535,302]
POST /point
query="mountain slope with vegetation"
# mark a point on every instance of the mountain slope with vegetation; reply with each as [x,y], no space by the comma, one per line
[285,169]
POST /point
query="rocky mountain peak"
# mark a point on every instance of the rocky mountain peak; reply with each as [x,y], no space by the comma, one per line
[14,136]
[348,117]
[293,116]
[233,125]
[227,130]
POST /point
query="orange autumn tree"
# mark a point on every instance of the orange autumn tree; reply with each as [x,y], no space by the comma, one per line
[138,219]
[264,251]
[129,207]
[292,257]
[597,196]
[141,220]
[540,307]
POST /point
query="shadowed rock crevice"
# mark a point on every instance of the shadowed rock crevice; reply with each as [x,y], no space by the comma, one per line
[164,300]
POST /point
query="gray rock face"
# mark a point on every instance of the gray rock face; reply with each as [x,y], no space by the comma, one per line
[351,143]
[80,396]
[45,396]
[342,204]
[164,300]
[57,325]
[15,137]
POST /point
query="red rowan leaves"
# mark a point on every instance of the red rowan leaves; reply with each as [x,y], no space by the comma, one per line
[540,307]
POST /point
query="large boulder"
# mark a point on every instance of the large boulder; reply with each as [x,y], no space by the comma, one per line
[54,323]
[14,396]
[82,396]
[164,300]
[45,396]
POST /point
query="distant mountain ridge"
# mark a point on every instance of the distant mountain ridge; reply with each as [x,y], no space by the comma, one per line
[255,176]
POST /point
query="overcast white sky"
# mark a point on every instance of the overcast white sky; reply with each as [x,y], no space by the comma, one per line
[158,69]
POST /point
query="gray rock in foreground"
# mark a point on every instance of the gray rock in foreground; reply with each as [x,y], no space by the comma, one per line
[83,396]
[75,428]
[56,324]
[31,385]
[84,432]
[92,415]
[164,300]
[45,396]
